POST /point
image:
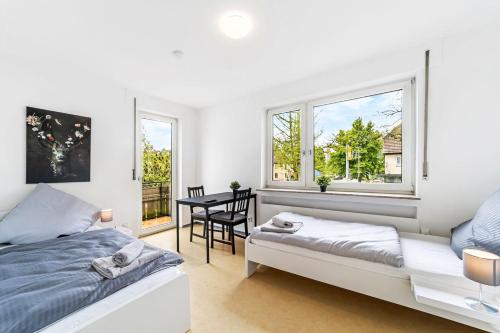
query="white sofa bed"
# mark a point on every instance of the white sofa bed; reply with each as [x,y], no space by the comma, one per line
[431,279]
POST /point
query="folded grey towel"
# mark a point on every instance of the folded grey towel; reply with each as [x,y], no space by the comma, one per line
[128,253]
[281,222]
[270,227]
[107,268]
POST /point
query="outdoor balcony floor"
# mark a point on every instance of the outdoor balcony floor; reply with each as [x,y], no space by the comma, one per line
[155,222]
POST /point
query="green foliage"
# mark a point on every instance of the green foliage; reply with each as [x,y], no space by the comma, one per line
[286,142]
[363,141]
[234,185]
[323,180]
[365,151]
[156,164]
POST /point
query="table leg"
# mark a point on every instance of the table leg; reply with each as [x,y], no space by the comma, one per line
[177,213]
[207,215]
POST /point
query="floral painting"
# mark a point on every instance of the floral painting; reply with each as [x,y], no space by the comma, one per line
[57,147]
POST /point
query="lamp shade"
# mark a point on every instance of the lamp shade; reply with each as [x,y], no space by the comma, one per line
[106,215]
[482,266]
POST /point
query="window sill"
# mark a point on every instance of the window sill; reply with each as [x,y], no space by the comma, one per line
[341,193]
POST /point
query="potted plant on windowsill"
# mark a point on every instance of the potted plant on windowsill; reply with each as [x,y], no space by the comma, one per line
[323,181]
[235,185]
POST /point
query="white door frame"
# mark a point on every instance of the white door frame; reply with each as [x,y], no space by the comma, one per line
[151,115]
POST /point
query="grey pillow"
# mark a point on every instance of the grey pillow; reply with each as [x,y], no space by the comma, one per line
[486,224]
[46,213]
[462,237]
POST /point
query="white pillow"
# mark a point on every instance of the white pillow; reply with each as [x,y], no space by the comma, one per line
[46,213]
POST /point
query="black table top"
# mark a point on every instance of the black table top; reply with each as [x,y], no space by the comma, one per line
[210,200]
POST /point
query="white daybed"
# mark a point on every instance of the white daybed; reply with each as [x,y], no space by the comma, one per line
[431,280]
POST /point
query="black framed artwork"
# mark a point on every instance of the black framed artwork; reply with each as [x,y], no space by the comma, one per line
[57,147]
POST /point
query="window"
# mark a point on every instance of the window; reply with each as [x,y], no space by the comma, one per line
[286,145]
[361,141]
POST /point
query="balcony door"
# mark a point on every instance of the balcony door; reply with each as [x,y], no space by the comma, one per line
[158,166]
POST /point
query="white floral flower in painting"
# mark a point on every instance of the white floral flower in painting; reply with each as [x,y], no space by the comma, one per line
[48,116]
[70,138]
[86,128]
[33,120]
[78,125]
[34,129]
[78,134]
[58,122]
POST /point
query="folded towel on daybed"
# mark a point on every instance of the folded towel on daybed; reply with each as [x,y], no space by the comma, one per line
[128,253]
[281,222]
[107,268]
[271,227]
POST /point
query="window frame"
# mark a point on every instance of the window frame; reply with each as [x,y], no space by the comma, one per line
[270,113]
[408,158]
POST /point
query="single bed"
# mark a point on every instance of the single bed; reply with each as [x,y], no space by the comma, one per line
[157,302]
[431,273]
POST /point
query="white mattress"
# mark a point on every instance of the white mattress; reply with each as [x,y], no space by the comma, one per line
[111,303]
[352,262]
[432,255]
[425,256]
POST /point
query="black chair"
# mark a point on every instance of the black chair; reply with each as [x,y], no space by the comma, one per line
[237,215]
[199,216]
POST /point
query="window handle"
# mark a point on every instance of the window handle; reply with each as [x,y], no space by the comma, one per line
[310,152]
[303,153]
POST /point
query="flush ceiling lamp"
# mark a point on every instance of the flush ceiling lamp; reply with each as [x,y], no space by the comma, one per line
[235,25]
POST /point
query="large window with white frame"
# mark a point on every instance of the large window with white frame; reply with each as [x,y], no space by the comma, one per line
[362,140]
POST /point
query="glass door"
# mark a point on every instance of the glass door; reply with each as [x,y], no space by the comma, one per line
[158,174]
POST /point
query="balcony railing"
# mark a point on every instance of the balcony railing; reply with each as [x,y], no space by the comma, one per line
[155,200]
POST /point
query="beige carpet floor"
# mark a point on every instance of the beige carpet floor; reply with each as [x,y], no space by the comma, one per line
[223,300]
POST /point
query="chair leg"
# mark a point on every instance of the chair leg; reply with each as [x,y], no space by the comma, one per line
[191,232]
[231,231]
[246,228]
[223,232]
[211,234]
[205,231]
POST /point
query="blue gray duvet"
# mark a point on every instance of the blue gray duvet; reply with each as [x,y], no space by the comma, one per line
[43,282]
[373,243]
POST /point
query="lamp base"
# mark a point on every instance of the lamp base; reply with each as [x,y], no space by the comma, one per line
[481,306]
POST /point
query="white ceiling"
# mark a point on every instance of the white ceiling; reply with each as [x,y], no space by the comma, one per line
[131,41]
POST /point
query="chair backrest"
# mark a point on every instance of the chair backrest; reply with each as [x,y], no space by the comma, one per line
[195,191]
[241,202]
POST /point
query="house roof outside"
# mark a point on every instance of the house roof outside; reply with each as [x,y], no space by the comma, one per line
[392,140]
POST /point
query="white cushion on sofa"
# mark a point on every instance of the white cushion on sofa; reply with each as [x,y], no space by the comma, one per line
[46,213]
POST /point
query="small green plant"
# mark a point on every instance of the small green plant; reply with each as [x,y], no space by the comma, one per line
[234,185]
[323,180]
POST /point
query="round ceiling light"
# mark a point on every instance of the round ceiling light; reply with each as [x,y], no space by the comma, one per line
[235,25]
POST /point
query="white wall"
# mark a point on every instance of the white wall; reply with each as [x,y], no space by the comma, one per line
[109,105]
[464,140]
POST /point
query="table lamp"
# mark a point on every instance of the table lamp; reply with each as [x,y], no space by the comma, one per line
[484,268]
[106,215]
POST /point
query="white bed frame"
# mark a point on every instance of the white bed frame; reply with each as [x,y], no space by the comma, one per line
[379,285]
[385,287]
[163,306]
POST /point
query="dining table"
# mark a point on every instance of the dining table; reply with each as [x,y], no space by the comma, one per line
[206,202]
